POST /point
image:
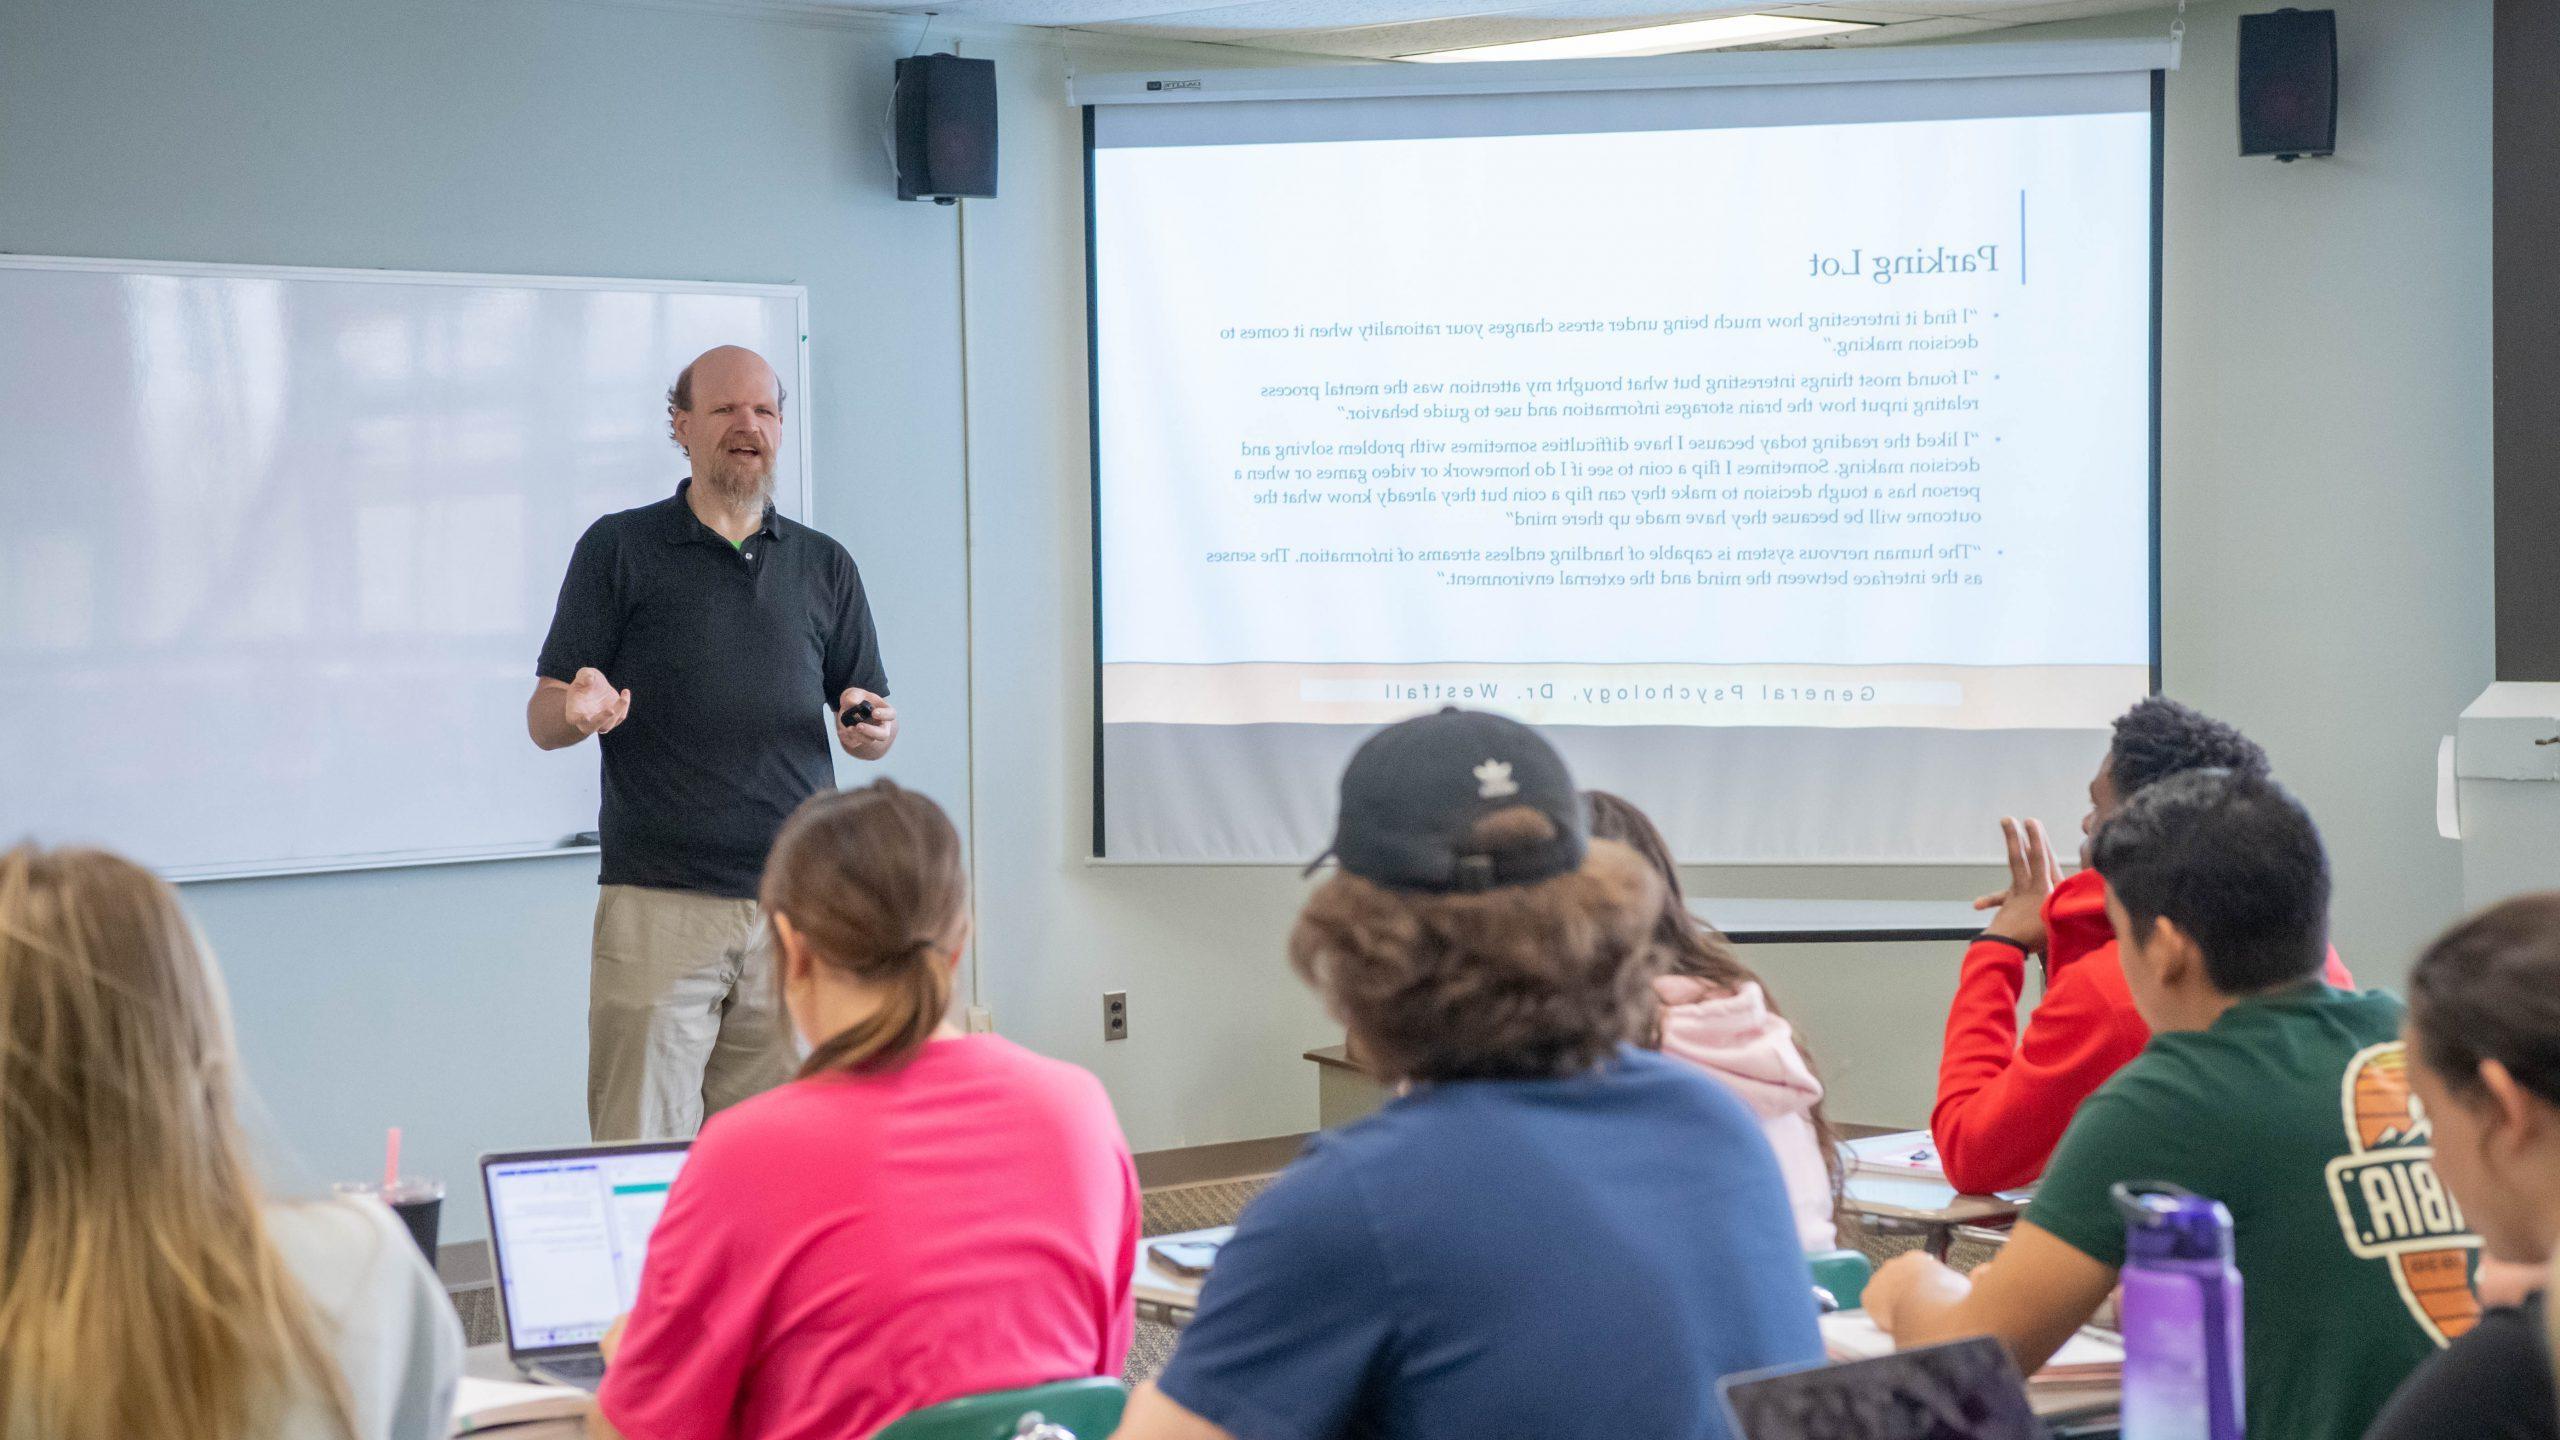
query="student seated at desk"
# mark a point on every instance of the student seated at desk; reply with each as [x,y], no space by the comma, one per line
[2484,1061]
[1552,1232]
[921,1215]
[147,1286]
[2263,1088]
[1717,1015]
[2004,1099]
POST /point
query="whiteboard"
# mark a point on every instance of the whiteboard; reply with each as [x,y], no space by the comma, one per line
[278,546]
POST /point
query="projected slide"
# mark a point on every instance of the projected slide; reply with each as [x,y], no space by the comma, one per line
[1774,427]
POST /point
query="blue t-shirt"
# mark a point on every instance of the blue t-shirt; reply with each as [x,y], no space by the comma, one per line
[1487,1258]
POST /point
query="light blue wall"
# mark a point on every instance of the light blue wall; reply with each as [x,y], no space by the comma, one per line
[583,138]
[2327,502]
[486,135]
[2326,437]
[2327,509]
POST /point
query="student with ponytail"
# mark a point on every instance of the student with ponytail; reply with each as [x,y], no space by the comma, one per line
[148,1286]
[920,1215]
[2484,1062]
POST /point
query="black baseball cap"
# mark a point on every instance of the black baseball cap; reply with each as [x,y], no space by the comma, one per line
[1415,790]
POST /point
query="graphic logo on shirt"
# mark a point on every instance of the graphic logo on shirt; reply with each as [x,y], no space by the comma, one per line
[2389,1201]
[1493,780]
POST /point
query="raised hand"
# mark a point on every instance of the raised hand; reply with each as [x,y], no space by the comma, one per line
[594,705]
[2032,877]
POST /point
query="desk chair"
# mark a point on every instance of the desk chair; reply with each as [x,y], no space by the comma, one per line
[1087,1409]
[1842,1272]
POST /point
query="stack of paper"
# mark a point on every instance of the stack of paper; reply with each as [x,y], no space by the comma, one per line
[1850,1335]
[1909,1152]
[484,1405]
[1912,1155]
[2092,1356]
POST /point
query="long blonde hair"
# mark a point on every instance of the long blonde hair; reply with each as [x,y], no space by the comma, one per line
[139,1291]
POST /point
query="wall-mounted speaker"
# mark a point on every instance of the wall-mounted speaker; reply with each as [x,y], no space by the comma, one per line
[2289,83]
[944,115]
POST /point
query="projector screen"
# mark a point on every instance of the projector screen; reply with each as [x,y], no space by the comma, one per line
[1786,451]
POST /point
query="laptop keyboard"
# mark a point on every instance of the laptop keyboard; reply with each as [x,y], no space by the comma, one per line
[586,1372]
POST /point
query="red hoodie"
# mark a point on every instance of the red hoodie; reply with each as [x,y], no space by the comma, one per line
[2003,1103]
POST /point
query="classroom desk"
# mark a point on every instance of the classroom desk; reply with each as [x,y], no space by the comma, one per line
[489,1362]
[1164,1297]
[1170,1299]
[1926,1204]
[1345,1090]
[2081,1408]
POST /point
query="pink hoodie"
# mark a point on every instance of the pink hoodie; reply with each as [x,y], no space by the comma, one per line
[1734,1038]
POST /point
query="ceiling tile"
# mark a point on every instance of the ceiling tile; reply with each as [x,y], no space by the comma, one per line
[2037,12]
[1382,29]
[1036,12]
[1885,14]
[1487,26]
[1935,28]
[1343,17]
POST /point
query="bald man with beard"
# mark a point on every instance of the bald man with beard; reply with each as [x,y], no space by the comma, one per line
[711,646]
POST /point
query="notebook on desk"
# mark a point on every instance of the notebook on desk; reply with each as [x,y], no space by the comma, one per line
[568,1232]
[1906,1152]
[2091,1354]
[1912,1155]
[480,1406]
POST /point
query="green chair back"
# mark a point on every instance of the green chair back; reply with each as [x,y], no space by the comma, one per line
[1088,1408]
[1844,1273]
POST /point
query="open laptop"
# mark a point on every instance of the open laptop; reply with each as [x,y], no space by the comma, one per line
[568,1230]
[1962,1390]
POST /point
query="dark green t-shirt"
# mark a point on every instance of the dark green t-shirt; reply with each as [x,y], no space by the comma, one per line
[2294,1111]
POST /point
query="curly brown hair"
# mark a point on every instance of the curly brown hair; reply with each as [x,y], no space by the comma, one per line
[1522,982]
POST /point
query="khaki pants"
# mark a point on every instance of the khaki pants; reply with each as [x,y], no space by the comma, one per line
[683,1018]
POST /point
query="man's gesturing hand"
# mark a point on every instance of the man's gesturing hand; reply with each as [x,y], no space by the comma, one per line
[594,705]
[2032,876]
[870,739]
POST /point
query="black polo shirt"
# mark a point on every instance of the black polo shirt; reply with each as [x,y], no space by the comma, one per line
[734,656]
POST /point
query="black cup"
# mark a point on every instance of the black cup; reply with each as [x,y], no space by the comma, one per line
[421,1216]
[418,1203]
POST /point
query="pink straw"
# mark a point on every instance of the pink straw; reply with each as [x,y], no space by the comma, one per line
[391,1161]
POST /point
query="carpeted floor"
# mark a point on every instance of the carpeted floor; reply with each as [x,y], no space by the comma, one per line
[1170,1211]
[478,1307]
[1196,1207]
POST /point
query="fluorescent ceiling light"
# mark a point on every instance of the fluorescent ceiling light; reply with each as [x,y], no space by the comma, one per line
[1651,39]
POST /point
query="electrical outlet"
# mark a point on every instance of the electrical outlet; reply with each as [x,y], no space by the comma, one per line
[982,1021]
[1115,1014]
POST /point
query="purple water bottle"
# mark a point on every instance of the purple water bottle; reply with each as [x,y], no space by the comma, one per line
[2181,1316]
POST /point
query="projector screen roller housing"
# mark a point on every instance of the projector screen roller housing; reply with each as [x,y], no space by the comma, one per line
[1786,451]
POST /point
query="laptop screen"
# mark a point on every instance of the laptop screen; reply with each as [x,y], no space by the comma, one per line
[569,1230]
[1963,1390]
